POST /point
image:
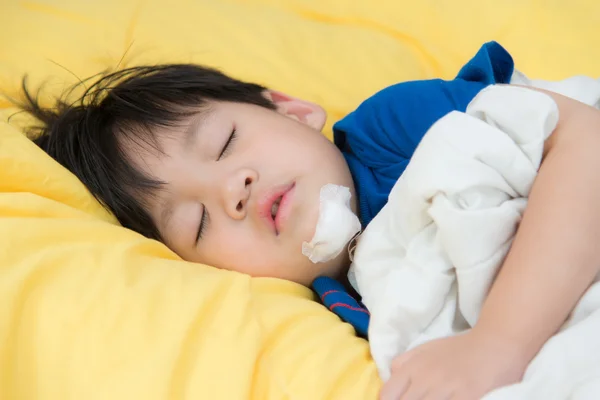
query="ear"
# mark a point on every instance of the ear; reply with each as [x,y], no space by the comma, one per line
[306,112]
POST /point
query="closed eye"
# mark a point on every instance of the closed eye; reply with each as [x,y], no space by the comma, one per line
[227,147]
[205,217]
[203,224]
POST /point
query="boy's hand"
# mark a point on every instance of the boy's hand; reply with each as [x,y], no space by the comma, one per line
[462,367]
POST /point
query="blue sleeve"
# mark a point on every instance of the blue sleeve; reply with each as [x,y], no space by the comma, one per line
[380,136]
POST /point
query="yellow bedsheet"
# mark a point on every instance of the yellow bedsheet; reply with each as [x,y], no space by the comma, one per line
[93,311]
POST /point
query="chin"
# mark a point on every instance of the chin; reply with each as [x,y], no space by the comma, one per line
[338,267]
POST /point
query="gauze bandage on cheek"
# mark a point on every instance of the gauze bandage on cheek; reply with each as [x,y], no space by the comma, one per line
[336,226]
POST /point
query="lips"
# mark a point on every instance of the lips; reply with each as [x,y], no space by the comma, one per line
[274,207]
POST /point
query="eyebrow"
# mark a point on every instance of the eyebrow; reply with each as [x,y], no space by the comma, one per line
[166,212]
[190,134]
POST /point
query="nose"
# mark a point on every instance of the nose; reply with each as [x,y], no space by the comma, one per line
[237,188]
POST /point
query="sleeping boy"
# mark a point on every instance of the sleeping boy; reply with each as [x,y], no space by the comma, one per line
[230,174]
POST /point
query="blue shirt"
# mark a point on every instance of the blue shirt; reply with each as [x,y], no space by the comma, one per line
[380,136]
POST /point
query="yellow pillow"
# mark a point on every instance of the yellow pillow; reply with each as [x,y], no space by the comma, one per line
[93,311]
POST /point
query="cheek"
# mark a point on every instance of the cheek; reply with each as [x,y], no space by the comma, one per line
[241,251]
[261,258]
[306,223]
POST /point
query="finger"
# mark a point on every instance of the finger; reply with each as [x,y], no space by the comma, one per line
[401,360]
[414,392]
[462,396]
[436,396]
[394,388]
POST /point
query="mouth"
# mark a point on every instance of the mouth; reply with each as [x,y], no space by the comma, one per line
[275,206]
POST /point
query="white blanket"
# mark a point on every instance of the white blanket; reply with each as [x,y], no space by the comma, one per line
[425,263]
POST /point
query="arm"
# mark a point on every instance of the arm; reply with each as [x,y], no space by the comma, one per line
[553,260]
[556,252]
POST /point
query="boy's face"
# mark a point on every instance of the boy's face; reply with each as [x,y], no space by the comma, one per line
[229,185]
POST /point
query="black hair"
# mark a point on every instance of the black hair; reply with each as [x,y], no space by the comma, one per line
[86,136]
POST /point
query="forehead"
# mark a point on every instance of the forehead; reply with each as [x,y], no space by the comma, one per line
[141,142]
